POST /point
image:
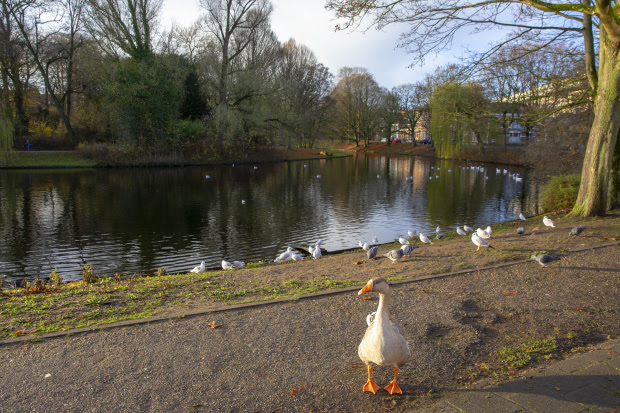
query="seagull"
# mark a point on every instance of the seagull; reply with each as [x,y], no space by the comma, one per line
[480,242]
[544,259]
[410,233]
[318,176]
[489,230]
[521,231]
[576,231]
[256,167]
[375,240]
[425,239]
[522,217]
[403,241]
[460,231]
[438,230]
[408,249]
[319,243]
[199,269]
[207,176]
[378,176]
[468,229]
[227,265]
[440,236]
[372,253]
[238,264]
[548,222]
[363,245]
[394,255]
[482,233]
[285,256]
[243,202]
[315,251]
[296,257]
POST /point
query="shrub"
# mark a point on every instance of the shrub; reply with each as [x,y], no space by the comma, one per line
[88,276]
[560,193]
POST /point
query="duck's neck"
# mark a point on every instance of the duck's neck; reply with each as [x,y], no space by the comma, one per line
[383,310]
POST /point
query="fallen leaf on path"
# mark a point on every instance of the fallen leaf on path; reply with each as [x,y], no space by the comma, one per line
[365,297]
[213,325]
[299,389]
[358,262]
[510,292]
[611,238]
[26,331]
[578,309]
[195,405]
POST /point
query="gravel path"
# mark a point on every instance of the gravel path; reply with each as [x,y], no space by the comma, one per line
[302,355]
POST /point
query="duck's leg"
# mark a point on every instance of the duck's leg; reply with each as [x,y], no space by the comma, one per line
[393,387]
[370,385]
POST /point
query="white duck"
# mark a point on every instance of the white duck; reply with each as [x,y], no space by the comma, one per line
[383,344]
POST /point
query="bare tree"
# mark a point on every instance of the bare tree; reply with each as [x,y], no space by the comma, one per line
[124,26]
[37,25]
[233,24]
[434,25]
[414,101]
[357,98]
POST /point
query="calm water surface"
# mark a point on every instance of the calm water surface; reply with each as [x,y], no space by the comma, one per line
[140,219]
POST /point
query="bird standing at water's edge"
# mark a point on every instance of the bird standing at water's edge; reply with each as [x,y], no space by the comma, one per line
[383,343]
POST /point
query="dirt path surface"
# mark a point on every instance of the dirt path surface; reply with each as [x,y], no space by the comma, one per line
[302,355]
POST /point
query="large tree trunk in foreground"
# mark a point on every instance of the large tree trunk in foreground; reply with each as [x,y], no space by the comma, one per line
[594,190]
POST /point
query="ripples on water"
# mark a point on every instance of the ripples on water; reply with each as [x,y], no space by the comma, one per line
[137,220]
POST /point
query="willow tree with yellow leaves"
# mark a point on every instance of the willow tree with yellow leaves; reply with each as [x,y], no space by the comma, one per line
[432,25]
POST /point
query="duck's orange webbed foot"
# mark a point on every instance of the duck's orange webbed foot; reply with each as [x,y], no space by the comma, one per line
[393,387]
[370,385]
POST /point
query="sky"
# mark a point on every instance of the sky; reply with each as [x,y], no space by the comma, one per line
[310,24]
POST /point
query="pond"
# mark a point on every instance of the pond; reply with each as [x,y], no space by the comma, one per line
[132,220]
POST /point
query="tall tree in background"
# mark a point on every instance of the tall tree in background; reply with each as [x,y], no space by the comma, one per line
[413,98]
[357,96]
[15,66]
[389,112]
[124,26]
[303,83]
[433,26]
[36,30]
[233,24]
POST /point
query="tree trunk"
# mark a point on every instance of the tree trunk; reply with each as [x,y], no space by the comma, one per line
[613,200]
[593,191]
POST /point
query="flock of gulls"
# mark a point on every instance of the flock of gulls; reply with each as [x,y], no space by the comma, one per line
[479,238]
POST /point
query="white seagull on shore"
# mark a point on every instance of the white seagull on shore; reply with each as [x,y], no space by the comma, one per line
[482,233]
[460,231]
[375,240]
[199,269]
[227,265]
[285,256]
[479,242]
[238,264]
[425,239]
[548,223]
[403,241]
[467,228]
[522,217]
[363,245]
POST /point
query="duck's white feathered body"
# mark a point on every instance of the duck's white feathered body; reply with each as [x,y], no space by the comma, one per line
[383,344]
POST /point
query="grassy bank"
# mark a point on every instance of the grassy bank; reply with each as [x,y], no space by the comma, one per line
[79,159]
[46,306]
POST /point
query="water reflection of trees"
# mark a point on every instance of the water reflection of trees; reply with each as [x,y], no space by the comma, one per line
[141,219]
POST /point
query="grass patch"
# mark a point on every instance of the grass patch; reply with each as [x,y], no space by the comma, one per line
[520,356]
[560,193]
[48,160]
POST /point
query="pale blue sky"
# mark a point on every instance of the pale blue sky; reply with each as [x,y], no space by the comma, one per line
[310,24]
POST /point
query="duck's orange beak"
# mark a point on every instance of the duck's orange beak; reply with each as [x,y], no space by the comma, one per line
[367,288]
